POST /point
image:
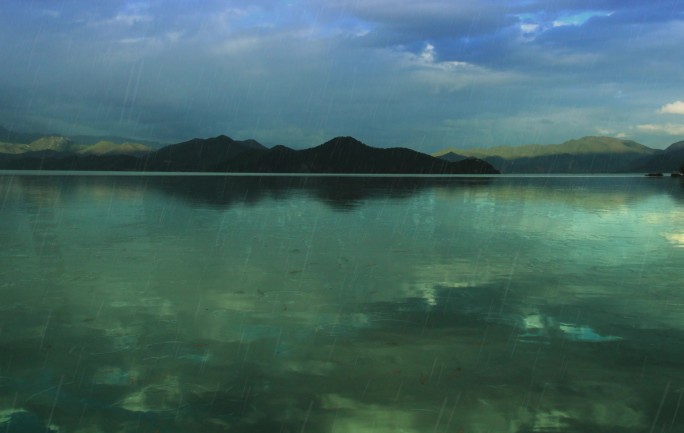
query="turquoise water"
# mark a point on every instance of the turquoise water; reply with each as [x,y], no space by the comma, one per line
[327,304]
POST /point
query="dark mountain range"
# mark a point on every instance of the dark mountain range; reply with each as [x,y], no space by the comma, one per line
[585,155]
[340,155]
[675,146]
[668,160]
[453,157]
[223,154]
[348,155]
[199,154]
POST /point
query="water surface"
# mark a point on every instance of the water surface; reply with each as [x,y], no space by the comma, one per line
[341,304]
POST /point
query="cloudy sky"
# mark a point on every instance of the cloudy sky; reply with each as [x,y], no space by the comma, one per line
[425,74]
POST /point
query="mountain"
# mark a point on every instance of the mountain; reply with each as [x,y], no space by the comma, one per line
[582,146]
[452,157]
[348,155]
[199,154]
[9,136]
[585,155]
[111,148]
[223,154]
[90,139]
[675,147]
[13,148]
[60,153]
[56,143]
[66,145]
[668,160]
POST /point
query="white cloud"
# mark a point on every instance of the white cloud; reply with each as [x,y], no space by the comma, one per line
[582,18]
[535,23]
[51,13]
[610,132]
[676,107]
[174,36]
[668,129]
[122,20]
[529,27]
[428,54]
[240,44]
[449,75]
[129,41]
[131,19]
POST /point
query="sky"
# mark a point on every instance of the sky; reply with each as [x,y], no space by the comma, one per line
[425,75]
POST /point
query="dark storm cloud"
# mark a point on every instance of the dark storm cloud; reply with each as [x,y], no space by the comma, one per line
[409,22]
[431,74]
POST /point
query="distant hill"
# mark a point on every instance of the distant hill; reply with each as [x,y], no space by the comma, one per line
[90,139]
[223,154]
[585,155]
[675,146]
[348,155]
[199,154]
[54,143]
[13,148]
[583,146]
[110,148]
[12,141]
[67,146]
[668,160]
[453,157]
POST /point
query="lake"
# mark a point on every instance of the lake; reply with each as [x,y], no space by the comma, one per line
[142,303]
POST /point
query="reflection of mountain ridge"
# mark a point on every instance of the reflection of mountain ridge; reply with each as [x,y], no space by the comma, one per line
[348,193]
[340,193]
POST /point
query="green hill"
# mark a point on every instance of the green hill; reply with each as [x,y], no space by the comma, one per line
[66,146]
[584,155]
[109,148]
[582,146]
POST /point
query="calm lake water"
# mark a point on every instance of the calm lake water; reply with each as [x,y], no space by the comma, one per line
[326,304]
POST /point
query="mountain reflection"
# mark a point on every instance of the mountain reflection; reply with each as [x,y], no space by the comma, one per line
[340,305]
[343,193]
[340,193]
